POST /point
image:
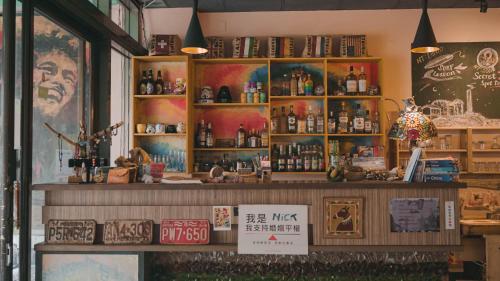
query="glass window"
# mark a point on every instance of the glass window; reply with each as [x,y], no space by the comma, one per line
[134,22]
[104,6]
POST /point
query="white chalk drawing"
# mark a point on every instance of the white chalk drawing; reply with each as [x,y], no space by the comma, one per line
[487,58]
[443,68]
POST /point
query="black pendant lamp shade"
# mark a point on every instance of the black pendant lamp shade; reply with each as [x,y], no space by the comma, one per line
[194,42]
[425,41]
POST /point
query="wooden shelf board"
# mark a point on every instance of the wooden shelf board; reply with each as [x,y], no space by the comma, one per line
[451,128]
[233,61]
[485,128]
[297,135]
[353,97]
[355,135]
[300,173]
[159,135]
[297,97]
[438,151]
[162,59]
[231,149]
[485,150]
[230,104]
[353,59]
[160,96]
[297,60]
[485,173]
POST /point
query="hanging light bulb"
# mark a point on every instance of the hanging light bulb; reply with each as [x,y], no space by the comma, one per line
[194,42]
[425,41]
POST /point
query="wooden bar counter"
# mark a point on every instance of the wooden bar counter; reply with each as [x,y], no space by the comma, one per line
[102,202]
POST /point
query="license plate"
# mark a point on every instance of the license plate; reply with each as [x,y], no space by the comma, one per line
[185,232]
[70,232]
[128,232]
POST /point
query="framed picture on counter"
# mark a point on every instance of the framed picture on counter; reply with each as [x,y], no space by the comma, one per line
[414,214]
[343,217]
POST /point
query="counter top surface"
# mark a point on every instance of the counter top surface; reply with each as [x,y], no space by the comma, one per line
[271,185]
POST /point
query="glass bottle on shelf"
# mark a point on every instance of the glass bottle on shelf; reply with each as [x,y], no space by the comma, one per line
[241,137]
[300,83]
[282,158]
[243,95]
[368,123]
[351,127]
[359,120]
[320,123]
[275,122]
[143,84]
[331,123]
[301,125]
[314,160]
[150,84]
[311,126]
[343,124]
[309,86]
[290,164]
[376,123]
[285,85]
[283,121]
[299,162]
[362,82]
[159,84]
[293,85]
[202,137]
[351,82]
[250,93]
[340,90]
[307,159]
[264,136]
[210,136]
[292,121]
[262,93]
[495,144]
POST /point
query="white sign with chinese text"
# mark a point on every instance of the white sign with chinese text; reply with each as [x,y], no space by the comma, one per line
[272,229]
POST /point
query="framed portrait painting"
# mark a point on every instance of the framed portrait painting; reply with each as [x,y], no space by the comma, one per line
[343,217]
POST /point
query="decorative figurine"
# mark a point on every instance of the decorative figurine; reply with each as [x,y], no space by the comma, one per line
[224,95]
[180,86]
[150,129]
[207,95]
[319,90]
[160,128]
[181,128]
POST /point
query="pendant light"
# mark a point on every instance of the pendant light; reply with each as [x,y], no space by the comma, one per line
[425,41]
[194,42]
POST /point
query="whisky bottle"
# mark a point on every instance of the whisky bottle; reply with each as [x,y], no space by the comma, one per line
[210,136]
[301,125]
[283,121]
[343,125]
[150,84]
[293,86]
[307,159]
[362,82]
[300,83]
[264,136]
[285,86]
[159,84]
[275,122]
[340,90]
[253,143]
[320,123]
[331,123]
[290,164]
[351,82]
[376,123]
[359,120]
[292,121]
[314,160]
[311,126]
[368,123]
[241,137]
[282,159]
[202,136]
[299,163]
[309,86]
[143,84]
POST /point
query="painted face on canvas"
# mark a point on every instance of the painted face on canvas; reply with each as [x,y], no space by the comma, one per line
[55,81]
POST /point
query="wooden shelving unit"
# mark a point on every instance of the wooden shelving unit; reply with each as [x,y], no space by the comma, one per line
[464,146]
[232,72]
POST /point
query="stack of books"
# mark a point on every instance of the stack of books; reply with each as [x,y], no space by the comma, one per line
[435,170]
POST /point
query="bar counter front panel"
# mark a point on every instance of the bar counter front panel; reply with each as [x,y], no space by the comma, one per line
[191,201]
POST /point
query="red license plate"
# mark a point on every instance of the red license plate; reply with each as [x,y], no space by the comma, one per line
[185,232]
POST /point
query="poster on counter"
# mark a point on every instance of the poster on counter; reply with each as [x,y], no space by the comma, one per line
[272,229]
[222,217]
[414,214]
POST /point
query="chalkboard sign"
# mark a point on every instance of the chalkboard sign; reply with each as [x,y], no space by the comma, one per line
[459,86]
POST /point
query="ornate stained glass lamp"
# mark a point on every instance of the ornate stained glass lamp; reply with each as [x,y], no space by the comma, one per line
[413,126]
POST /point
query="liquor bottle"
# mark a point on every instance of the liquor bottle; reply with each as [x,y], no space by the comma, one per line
[299,162]
[321,159]
[320,123]
[362,82]
[275,154]
[241,137]
[283,121]
[359,120]
[275,122]
[159,84]
[290,163]
[293,86]
[368,123]
[254,139]
[314,160]
[300,83]
[343,124]
[143,84]
[250,93]
[282,158]
[307,159]
[351,82]
[150,84]
[264,136]
[301,125]
[292,121]
[331,123]
[202,136]
[340,90]
[210,136]
[256,95]
[376,123]
[311,126]
[262,94]
[351,127]
[285,86]
[309,86]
